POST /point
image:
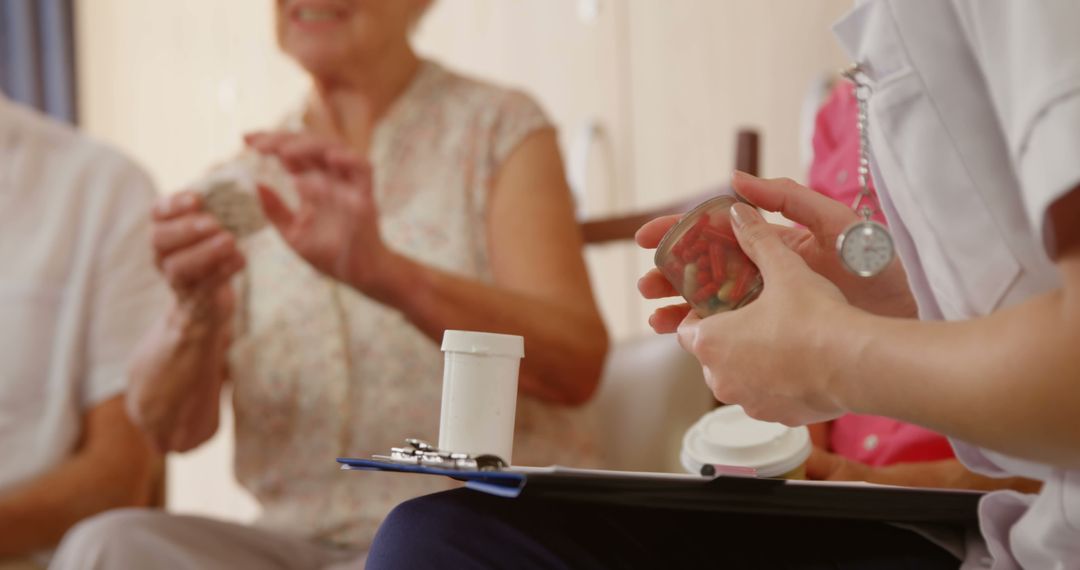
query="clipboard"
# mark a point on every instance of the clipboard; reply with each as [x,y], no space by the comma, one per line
[724,493]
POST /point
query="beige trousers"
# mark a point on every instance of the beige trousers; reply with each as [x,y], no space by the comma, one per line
[145,538]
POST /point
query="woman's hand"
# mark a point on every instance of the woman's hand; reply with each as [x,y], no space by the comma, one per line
[825,219]
[175,375]
[772,356]
[827,466]
[941,474]
[336,226]
[197,257]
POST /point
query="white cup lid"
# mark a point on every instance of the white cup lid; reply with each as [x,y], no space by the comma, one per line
[488,344]
[727,436]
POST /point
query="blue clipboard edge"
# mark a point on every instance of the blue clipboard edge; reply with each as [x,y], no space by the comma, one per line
[816,499]
[506,484]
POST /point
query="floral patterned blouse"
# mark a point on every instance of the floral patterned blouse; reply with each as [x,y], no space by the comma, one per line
[320,371]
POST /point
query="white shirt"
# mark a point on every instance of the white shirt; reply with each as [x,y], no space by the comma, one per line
[975,131]
[77,285]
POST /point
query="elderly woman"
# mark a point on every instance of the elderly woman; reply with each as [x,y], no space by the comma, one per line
[327,323]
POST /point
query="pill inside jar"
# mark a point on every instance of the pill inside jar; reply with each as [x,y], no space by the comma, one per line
[702,259]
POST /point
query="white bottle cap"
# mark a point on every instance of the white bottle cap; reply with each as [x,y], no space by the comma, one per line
[489,344]
[728,436]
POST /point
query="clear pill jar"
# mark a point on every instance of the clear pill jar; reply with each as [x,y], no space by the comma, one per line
[700,256]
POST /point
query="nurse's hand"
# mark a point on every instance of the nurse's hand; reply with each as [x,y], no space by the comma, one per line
[825,219]
[197,257]
[767,356]
[336,225]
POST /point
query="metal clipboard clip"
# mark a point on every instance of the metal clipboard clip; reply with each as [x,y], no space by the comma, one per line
[423,454]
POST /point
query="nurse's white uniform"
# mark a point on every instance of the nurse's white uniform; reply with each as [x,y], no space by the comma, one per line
[975,131]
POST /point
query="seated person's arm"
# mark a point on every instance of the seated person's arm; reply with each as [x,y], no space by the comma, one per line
[827,465]
[1021,397]
[541,288]
[941,474]
[111,468]
[178,370]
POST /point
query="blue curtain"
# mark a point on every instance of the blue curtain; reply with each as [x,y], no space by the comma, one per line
[37,55]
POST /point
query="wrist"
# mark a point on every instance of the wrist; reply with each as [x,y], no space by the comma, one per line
[394,280]
[846,351]
[899,300]
[194,320]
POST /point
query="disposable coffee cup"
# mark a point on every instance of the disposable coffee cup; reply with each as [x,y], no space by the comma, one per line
[728,437]
[479,398]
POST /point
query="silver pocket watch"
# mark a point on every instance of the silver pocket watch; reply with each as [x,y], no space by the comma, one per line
[865,247]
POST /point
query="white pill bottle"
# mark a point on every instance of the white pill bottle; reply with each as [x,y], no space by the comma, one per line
[479,397]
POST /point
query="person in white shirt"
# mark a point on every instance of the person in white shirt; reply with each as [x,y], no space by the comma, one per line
[974,123]
[77,290]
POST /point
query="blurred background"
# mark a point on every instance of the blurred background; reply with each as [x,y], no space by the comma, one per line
[647,94]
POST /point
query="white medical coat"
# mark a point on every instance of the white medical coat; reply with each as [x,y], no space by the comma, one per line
[975,132]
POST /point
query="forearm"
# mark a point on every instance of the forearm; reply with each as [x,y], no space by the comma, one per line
[566,344]
[36,516]
[175,381]
[945,474]
[112,467]
[992,382]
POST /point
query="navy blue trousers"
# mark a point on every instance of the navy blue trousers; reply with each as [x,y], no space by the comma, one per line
[465,529]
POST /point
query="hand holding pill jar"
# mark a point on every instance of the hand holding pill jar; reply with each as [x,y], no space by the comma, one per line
[820,220]
[757,354]
[702,259]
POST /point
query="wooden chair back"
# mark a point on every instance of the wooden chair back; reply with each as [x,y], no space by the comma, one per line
[624,226]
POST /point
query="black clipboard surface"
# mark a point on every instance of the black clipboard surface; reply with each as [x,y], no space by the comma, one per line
[818,499]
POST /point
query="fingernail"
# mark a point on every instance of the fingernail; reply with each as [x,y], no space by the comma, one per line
[741,215]
[163,207]
[187,200]
[739,174]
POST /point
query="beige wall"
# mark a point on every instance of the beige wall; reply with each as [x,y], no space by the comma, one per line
[175,83]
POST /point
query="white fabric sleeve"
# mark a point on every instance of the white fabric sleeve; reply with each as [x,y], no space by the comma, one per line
[127,294]
[517,117]
[1029,53]
[1050,165]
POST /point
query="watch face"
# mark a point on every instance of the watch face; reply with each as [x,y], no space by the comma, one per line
[865,248]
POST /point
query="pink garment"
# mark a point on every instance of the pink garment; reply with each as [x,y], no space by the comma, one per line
[834,172]
[881,441]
